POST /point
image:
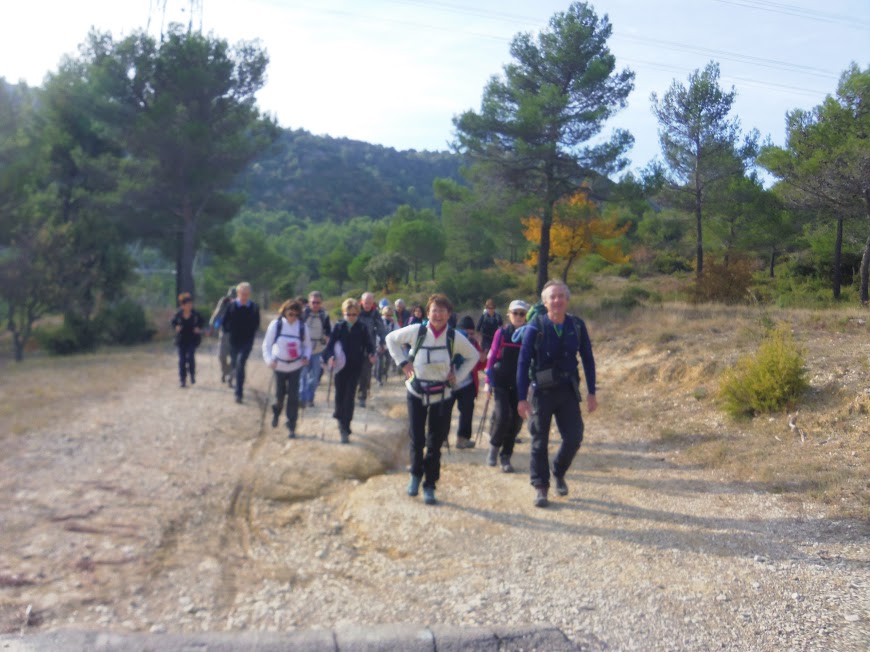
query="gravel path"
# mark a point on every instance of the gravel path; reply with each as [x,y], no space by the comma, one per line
[160,509]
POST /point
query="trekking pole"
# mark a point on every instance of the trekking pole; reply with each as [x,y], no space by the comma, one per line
[328,392]
[366,408]
[482,419]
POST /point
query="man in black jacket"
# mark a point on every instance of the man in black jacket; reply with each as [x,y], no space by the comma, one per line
[241,323]
[371,319]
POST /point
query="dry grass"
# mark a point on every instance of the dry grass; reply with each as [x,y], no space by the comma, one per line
[41,390]
[674,355]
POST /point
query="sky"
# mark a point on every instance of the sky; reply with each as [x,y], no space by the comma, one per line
[396,72]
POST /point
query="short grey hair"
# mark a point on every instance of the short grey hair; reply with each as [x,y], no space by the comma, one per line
[367,295]
[244,285]
[551,284]
[315,294]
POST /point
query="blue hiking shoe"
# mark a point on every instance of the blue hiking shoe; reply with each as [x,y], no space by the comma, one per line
[414,485]
[429,496]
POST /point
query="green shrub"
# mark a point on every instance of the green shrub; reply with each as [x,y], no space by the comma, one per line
[473,287]
[124,323]
[772,379]
[58,340]
[669,263]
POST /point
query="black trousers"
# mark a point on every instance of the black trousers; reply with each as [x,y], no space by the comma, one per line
[287,385]
[239,358]
[506,421]
[425,445]
[365,378]
[465,404]
[345,389]
[186,361]
[562,403]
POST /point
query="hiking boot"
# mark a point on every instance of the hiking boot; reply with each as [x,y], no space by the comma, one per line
[414,485]
[311,403]
[192,380]
[464,442]
[429,495]
[182,385]
[345,435]
[230,381]
[291,434]
[276,414]
[238,399]
[361,402]
[492,458]
[541,497]
[561,485]
[506,466]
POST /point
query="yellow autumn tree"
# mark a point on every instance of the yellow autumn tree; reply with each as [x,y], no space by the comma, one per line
[578,229]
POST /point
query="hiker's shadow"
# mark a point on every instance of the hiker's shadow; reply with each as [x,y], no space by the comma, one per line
[721,537]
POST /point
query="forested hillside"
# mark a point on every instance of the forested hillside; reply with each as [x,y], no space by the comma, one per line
[325,178]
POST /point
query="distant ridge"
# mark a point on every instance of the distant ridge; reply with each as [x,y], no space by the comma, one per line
[335,179]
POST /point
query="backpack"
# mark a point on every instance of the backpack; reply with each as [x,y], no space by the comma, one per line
[431,388]
[278,334]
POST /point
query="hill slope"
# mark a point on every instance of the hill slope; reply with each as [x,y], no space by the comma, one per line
[336,179]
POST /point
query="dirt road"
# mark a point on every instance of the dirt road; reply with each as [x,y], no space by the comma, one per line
[153,508]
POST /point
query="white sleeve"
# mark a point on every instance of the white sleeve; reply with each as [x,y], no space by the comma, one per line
[396,339]
[268,341]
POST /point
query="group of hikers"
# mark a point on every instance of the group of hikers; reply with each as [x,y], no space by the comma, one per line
[530,362]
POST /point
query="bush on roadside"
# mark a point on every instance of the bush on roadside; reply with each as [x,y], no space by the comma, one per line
[124,323]
[770,380]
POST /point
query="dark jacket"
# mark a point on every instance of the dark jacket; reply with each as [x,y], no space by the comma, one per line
[356,342]
[552,351]
[374,323]
[242,322]
[487,325]
[501,364]
[186,336]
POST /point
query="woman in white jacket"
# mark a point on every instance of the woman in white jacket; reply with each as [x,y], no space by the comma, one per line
[430,379]
[287,349]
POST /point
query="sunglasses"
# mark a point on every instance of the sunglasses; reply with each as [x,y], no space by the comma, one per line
[351,314]
[521,313]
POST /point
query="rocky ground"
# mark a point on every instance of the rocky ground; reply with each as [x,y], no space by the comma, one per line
[155,509]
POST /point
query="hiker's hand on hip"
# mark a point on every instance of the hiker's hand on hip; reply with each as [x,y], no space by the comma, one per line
[274,364]
[331,364]
[408,370]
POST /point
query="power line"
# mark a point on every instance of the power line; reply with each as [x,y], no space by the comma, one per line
[799,12]
[445,7]
[672,45]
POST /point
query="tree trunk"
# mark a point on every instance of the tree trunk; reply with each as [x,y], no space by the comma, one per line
[17,346]
[838,259]
[865,259]
[188,250]
[772,260]
[544,249]
[699,247]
